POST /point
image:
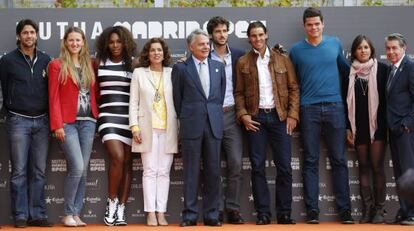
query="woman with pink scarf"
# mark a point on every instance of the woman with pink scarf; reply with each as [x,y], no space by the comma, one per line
[366,114]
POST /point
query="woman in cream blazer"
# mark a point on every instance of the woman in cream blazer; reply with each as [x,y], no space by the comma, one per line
[154,126]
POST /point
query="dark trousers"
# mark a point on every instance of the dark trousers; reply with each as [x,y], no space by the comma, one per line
[402,154]
[326,120]
[232,152]
[272,131]
[207,150]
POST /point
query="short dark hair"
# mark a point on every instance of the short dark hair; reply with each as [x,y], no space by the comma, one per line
[25,22]
[144,55]
[357,41]
[397,37]
[256,24]
[311,12]
[214,22]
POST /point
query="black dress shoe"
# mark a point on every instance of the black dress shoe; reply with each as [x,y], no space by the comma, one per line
[408,221]
[40,223]
[20,223]
[221,216]
[285,219]
[263,220]
[396,221]
[213,222]
[188,223]
[234,217]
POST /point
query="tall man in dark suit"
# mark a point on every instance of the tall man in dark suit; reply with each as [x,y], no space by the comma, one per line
[232,142]
[400,115]
[199,85]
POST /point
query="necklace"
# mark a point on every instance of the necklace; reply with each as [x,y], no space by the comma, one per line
[157,95]
[363,88]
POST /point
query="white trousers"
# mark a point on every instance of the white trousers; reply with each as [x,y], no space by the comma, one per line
[156,175]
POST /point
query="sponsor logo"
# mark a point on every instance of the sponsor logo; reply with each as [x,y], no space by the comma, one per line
[295,163]
[329,198]
[54,200]
[89,214]
[328,164]
[3,184]
[178,164]
[94,184]
[354,197]
[391,197]
[58,165]
[297,185]
[390,185]
[93,200]
[50,187]
[138,213]
[297,198]
[246,163]
[137,164]
[97,165]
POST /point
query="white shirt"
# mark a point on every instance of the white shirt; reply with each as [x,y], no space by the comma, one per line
[228,96]
[265,81]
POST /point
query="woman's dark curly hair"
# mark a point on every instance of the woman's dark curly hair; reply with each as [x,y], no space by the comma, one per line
[144,56]
[128,50]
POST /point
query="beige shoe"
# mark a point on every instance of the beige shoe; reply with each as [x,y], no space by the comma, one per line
[161,219]
[79,222]
[151,219]
[69,221]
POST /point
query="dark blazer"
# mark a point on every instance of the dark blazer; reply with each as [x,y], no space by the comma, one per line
[400,98]
[191,105]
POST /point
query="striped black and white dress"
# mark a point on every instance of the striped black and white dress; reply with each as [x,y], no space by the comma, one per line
[114,83]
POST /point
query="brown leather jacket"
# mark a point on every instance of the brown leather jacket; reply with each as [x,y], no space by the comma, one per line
[285,86]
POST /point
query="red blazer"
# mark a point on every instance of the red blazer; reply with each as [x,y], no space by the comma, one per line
[63,98]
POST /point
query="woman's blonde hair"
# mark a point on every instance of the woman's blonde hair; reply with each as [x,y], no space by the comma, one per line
[68,67]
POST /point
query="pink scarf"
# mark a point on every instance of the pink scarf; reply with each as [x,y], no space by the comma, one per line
[367,71]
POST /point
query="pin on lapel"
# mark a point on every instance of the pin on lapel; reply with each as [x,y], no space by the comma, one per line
[216,70]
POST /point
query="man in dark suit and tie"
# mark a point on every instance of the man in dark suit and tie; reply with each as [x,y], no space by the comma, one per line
[400,115]
[199,86]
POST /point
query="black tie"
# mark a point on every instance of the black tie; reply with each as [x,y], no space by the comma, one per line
[391,77]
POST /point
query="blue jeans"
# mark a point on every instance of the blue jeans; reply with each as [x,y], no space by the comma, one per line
[271,131]
[77,147]
[326,120]
[29,144]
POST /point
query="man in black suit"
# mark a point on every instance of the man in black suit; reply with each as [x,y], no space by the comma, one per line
[400,115]
[232,142]
[199,84]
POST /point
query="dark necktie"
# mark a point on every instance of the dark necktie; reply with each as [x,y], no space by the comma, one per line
[391,77]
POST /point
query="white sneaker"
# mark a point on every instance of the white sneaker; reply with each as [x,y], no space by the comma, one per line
[69,221]
[120,215]
[110,213]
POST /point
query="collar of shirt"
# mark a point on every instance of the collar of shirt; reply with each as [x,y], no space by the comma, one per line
[397,64]
[197,62]
[266,55]
[213,50]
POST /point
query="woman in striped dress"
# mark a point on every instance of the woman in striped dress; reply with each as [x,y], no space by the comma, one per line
[115,49]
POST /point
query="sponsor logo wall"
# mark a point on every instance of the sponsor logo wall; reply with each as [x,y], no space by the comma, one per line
[284,26]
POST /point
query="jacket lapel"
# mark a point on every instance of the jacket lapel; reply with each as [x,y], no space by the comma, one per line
[397,74]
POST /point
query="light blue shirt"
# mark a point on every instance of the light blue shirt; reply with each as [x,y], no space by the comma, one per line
[228,96]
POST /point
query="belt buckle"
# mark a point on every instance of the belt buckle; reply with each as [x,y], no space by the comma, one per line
[267,110]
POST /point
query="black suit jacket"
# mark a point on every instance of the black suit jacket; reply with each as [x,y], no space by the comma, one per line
[400,98]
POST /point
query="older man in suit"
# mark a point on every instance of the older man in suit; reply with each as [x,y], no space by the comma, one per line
[199,86]
[400,115]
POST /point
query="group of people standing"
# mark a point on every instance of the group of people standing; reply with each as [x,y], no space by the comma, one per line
[143,105]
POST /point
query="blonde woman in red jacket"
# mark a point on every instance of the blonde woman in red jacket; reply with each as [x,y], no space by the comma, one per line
[73,113]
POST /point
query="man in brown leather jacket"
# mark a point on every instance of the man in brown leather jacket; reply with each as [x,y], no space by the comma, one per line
[267,103]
